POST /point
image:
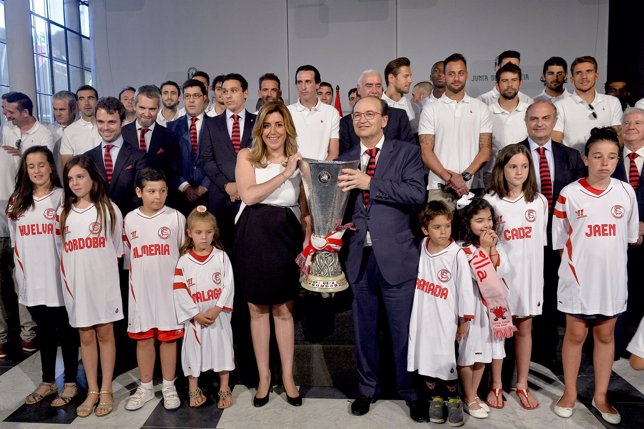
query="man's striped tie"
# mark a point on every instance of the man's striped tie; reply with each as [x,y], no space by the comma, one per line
[633,172]
[371,169]
[142,144]
[544,174]
[193,135]
[109,166]
[236,135]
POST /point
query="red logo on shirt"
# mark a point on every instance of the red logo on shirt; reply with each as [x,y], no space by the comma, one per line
[50,214]
[95,227]
[617,211]
[444,275]
[133,235]
[164,232]
[530,215]
[216,278]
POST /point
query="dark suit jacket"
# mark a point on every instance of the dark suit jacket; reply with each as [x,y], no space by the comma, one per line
[397,190]
[162,154]
[397,128]
[191,172]
[217,157]
[568,166]
[127,164]
[621,173]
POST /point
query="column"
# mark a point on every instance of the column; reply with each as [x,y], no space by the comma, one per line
[20,54]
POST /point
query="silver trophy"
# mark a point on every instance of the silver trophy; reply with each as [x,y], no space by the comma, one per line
[327,203]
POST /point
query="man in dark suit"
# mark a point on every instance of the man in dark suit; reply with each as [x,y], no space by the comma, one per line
[117,162]
[397,128]
[193,183]
[222,137]
[160,145]
[565,166]
[382,256]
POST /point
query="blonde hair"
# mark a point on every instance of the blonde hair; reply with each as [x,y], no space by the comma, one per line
[258,151]
[198,214]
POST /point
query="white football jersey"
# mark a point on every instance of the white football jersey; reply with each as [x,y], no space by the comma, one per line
[35,254]
[153,244]
[522,230]
[89,266]
[636,345]
[594,227]
[443,293]
[201,283]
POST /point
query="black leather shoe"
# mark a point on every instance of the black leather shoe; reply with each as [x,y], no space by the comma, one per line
[419,410]
[360,406]
[295,401]
[260,402]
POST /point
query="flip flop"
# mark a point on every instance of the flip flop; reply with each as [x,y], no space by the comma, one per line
[498,395]
[524,401]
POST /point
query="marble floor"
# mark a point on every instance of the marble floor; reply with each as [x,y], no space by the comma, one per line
[324,407]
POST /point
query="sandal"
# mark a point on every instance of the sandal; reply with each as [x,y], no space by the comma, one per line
[84,410]
[225,399]
[499,403]
[62,399]
[198,395]
[104,408]
[35,397]
[524,400]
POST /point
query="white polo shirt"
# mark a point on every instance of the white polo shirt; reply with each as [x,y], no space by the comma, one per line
[456,127]
[404,103]
[162,120]
[507,127]
[493,95]
[79,137]
[544,96]
[575,117]
[315,128]
[37,135]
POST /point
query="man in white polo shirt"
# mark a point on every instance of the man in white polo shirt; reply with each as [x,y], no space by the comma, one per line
[437,78]
[26,131]
[398,77]
[585,109]
[504,57]
[81,135]
[554,76]
[317,124]
[455,136]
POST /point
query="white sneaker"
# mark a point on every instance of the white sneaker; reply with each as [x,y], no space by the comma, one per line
[171,399]
[139,398]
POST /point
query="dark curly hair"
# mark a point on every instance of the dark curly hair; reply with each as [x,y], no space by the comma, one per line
[607,134]
[464,217]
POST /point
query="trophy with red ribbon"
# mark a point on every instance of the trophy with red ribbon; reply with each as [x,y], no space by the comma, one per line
[319,263]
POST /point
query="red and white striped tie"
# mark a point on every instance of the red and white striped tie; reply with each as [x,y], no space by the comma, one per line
[109,165]
[236,135]
[142,144]
[193,135]
[633,172]
[371,169]
[544,174]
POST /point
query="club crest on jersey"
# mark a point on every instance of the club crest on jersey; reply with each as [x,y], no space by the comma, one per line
[216,278]
[190,282]
[134,235]
[444,275]
[617,211]
[50,214]
[95,227]
[530,215]
[164,232]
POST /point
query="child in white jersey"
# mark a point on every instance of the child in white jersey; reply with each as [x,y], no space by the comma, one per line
[443,305]
[90,231]
[203,299]
[522,215]
[595,219]
[492,318]
[32,217]
[153,235]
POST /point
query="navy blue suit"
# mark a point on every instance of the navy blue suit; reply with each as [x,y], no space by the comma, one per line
[397,128]
[621,173]
[389,267]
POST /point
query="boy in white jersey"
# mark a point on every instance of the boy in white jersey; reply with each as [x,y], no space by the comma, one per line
[443,305]
[153,235]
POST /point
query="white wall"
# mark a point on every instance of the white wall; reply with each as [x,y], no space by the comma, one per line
[149,41]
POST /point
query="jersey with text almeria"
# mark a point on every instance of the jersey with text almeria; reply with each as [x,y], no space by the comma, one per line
[89,266]
[153,244]
[34,252]
[443,293]
[594,227]
[522,230]
[200,283]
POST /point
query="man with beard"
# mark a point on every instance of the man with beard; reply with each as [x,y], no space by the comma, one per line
[555,70]
[170,97]
[126,96]
[82,135]
[218,102]
[269,88]
[619,89]
[455,136]
[504,57]
[398,77]
[437,78]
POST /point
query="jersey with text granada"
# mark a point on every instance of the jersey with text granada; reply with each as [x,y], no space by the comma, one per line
[153,244]
[443,293]
[594,227]
[34,252]
[522,230]
[89,266]
[200,283]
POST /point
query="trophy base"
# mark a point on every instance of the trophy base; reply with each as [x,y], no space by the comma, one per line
[325,284]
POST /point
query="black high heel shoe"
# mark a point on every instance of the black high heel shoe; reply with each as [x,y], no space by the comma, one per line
[260,402]
[294,401]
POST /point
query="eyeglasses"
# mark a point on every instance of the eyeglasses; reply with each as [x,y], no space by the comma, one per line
[369,115]
[194,96]
[18,143]
[592,111]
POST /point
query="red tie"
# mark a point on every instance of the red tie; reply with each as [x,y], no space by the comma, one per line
[544,174]
[235,137]
[633,173]
[193,135]
[109,166]
[142,144]
[371,169]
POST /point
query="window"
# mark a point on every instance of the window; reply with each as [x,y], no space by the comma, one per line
[4,71]
[61,38]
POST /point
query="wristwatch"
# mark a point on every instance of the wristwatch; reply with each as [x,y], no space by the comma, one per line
[466,175]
